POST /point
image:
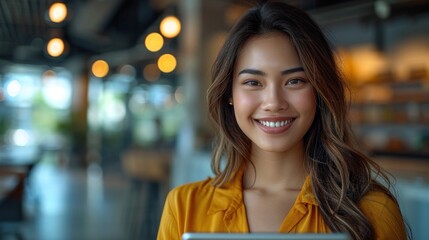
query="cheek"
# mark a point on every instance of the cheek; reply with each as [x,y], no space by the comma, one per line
[244,105]
[306,103]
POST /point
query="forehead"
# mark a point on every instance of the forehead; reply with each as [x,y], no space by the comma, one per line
[268,49]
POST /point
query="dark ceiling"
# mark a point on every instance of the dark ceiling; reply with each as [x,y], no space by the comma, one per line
[92,26]
[98,26]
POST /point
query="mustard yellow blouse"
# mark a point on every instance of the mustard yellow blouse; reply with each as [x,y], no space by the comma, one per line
[200,207]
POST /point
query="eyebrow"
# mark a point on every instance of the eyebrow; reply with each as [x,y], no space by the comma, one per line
[261,73]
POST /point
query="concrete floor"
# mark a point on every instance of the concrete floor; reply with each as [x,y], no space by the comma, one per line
[70,203]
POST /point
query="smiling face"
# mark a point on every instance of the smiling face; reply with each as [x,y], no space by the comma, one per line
[274,103]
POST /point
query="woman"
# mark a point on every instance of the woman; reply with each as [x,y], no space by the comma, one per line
[291,164]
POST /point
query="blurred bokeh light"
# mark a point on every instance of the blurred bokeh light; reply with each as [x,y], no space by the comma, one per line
[55,47]
[167,63]
[100,68]
[57,12]
[154,42]
[170,27]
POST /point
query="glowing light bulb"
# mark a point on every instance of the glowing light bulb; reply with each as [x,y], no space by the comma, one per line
[167,63]
[100,68]
[55,47]
[170,27]
[57,12]
[154,42]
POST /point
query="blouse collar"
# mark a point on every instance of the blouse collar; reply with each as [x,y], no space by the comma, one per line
[230,196]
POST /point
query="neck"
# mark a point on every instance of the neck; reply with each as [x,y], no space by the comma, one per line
[272,171]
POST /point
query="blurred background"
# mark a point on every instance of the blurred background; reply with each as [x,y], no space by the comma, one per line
[102,105]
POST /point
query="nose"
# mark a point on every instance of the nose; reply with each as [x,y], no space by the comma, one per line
[274,99]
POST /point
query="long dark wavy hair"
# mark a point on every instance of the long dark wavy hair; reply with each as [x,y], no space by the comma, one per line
[341,174]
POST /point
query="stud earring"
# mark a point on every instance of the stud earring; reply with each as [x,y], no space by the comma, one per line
[230,103]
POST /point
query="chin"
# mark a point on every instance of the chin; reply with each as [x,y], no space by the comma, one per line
[271,148]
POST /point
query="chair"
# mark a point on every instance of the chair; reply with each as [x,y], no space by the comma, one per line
[149,173]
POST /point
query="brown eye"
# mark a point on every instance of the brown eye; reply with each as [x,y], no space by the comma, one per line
[252,83]
[295,81]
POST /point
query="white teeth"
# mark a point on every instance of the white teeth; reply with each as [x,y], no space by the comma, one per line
[275,124]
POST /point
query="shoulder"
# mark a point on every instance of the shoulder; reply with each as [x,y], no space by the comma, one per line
[191,200]
[379,203]
[383,212]
[184,204]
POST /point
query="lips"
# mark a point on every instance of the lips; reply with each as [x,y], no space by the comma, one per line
[274,126]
